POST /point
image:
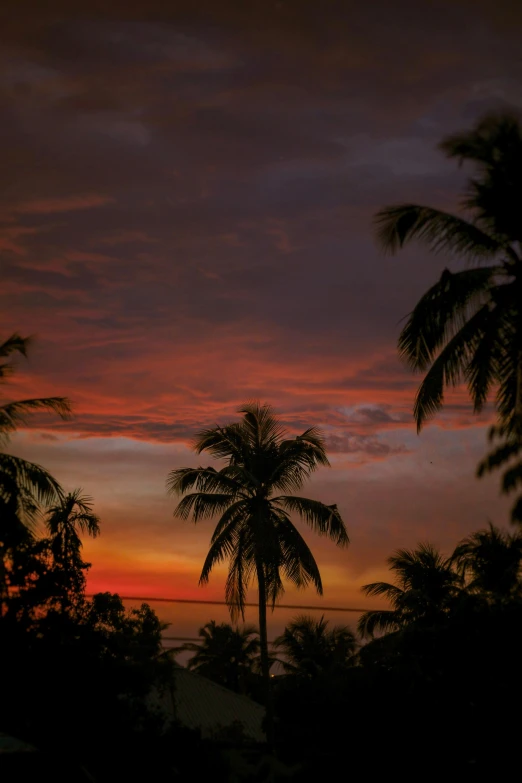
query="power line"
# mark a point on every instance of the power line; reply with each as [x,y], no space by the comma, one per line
[224,603]
[185,639]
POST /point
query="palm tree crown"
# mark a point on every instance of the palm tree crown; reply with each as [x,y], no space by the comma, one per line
[65,520]
[225,654]
[491,562]
[72,515]
[23,485]
[310,647]
[425,591]
[468,325]
[255,530]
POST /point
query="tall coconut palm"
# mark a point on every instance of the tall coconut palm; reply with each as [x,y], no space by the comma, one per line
[425,590]
[72,515]
[255,531]
[225,654]
[310,647]
[23,485]
[468,326]
[491,562]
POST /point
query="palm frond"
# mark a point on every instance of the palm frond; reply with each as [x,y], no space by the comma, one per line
[512,478]
[222,546]
[73,513]
[392,592]
[297,459]
[222,442]
[441,231]
[205,480]
[483,142]
[241,571]
[30,477]
[297,561]
[499,457]
[448,368]
[15,344]
[325,520]
[260,425]
[442,312]
[15,413]
[203,505]
[382,620]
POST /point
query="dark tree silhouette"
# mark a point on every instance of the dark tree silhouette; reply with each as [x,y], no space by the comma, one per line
[311,648]
[24,486]
[425,590]
[72,515]
[468,326]
[255,532]
[490,561]
[225,654]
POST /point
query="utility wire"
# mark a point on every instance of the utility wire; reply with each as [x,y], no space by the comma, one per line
[185,639]
[224,603]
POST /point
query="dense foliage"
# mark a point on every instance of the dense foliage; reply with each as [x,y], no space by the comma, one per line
[435,691]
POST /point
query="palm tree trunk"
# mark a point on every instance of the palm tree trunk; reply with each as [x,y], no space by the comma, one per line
[265,663]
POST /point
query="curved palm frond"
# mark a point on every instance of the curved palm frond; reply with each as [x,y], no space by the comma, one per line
[383,620]
[325,520]
[499,457]
[222,545]
[512,478]
[442,312]
[30,477]
[392,592]
[182,480]
[241,572]
[449,367]
[202,505]
[260,425]
[297,561]
[441,231]
[14,344]
[222,442]
[74,512]
[297,459]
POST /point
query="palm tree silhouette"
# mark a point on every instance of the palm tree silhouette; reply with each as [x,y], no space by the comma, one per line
[24,486]
[310,647]
[225,654]
[468,326]
[425,590]
[255,532]
[72,515]
[490,561]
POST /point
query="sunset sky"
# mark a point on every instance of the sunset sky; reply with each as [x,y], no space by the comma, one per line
[186,206]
